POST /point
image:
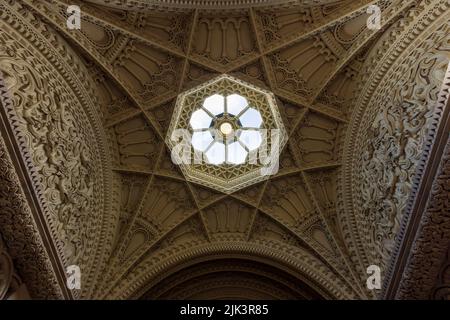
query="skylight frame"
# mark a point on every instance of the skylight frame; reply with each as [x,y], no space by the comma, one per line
[216,122]
[225,178]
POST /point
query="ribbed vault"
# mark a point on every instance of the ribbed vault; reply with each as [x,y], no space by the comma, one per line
[329,73]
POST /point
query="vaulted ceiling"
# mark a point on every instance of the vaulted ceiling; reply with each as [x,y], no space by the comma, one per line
[91,109]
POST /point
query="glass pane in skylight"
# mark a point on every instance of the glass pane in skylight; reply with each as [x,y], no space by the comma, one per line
[201,140]
[215,104]
[200,120]
[216,154]
[251,118]
[235,104]
[250,138]
[236,153]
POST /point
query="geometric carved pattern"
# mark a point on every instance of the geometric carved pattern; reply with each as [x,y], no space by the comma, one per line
[95,105]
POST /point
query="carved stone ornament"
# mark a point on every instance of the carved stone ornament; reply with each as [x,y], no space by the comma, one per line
[206,4]
[58,133]
[6,271]
[87,177]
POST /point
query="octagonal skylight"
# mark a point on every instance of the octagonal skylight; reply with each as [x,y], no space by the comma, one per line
[226,128]
[222,133]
